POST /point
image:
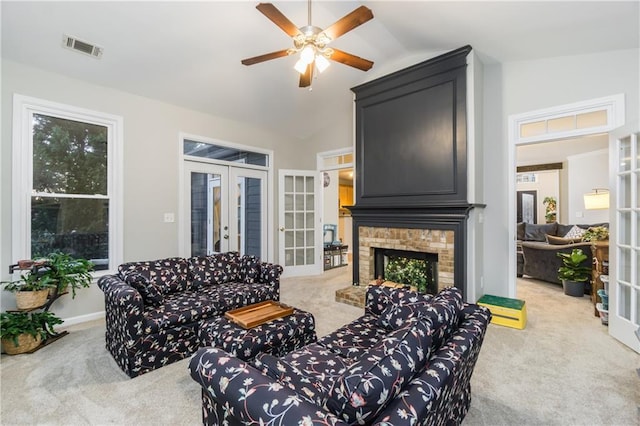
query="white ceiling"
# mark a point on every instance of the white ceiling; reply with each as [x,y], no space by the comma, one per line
[188,53]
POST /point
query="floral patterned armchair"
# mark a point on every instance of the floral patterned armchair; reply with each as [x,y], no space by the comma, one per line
[407,360]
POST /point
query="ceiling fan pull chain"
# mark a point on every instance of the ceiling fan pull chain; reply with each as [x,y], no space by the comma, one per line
[309,13]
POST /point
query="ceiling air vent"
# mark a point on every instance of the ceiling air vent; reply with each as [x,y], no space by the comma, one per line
[78,45]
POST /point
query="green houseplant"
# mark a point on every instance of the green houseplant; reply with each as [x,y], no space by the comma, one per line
[550,209]
[31,292]
[24,331]
[63,271]
[572,274]
[596,233]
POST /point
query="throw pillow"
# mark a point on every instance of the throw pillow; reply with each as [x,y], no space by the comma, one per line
[443,314]
[171,275]
[405,304]
[358,395]
[150,292]
[575,232]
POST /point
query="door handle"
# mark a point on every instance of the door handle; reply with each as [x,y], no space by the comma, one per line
[226,236]
[282,229]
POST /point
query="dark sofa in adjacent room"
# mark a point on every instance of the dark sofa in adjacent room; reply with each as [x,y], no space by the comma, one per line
[540,243]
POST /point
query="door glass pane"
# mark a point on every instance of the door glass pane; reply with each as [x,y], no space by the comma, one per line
[624,301]
[624,191]
[249,192]
[624,228]
[224,153]
[76,226]
[205,213]
[625,155]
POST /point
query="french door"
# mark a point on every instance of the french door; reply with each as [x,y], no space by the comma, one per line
[225,209]
[624,284]
[300,241]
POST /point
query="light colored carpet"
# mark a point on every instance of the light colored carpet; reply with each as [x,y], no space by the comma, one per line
[563,369]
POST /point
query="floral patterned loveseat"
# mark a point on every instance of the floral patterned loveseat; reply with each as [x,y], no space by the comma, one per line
[154,308]
[407,361]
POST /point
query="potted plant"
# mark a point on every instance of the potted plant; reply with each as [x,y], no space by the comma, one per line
[62,271]
[22,332]
[596,233]
[31,292]
[550,209]
[572,274]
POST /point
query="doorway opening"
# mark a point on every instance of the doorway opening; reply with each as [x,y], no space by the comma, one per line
[336,168]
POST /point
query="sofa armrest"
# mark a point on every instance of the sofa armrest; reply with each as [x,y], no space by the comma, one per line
[235,392]
[123,306]
[270,273]
[441,394]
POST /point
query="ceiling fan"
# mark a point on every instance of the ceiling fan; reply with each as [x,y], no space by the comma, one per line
[312,42]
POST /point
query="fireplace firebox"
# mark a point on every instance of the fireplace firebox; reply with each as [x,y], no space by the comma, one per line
[413,268]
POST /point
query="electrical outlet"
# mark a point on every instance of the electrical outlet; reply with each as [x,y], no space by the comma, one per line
[169,217]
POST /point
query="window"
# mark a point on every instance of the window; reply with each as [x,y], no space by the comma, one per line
[66,182]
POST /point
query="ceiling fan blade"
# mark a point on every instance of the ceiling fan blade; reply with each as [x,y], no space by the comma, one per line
[351,60]
[349,22]
[265,57]
[271,12]
[305,79]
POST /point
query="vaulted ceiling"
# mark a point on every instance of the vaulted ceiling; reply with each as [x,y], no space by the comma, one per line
[188,53]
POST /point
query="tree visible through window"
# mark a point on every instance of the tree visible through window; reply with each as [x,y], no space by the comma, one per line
[70,199]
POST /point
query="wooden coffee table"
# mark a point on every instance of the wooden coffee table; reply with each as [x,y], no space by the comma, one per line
[275,336]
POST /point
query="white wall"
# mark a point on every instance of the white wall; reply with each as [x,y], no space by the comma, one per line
[586,172]
[151,164]
[518,87]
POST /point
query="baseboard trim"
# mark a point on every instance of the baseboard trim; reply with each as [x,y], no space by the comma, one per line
[83,318]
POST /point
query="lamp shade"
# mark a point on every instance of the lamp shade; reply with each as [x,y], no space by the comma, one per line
[598,199]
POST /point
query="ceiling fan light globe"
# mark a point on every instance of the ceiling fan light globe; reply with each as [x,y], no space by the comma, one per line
[300,66]
[308,54]
[322,63]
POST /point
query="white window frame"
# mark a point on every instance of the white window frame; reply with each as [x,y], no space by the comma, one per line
[24,108]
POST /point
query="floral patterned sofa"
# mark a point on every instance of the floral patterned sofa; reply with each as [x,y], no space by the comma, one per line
[407,361]
[154,309]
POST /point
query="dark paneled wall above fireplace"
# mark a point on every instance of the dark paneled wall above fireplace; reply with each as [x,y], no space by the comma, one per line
[411,135]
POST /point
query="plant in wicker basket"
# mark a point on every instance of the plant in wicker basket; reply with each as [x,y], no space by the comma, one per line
[31,292]
[23,331]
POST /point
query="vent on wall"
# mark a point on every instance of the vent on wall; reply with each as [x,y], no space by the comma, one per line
[78,45]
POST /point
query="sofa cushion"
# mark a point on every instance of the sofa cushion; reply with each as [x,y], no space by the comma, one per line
[179,309]
[286,374]
[203,271]
[248,269]
[150,292]
[364,389]
[353,339]
[170,275]
[537,232]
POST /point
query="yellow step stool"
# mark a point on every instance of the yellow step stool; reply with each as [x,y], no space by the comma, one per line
[504,311]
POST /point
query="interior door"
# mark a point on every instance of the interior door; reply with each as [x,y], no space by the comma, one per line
[247,216]
[624,246]
[206,208]
[300,239]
